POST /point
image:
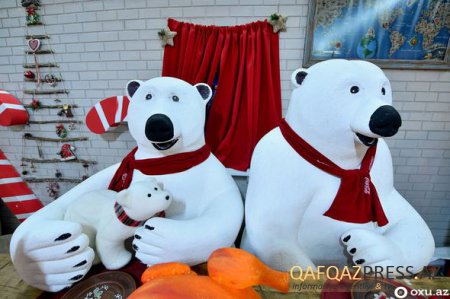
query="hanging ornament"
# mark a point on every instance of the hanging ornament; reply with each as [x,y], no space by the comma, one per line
[72,126]
[33,168]
[278,22]
[24,168]
[67,152]
[35,104]
[51,80]
[53,190]
[34,45]
[85,176]
[33,3]
[29,75]
[58,174]
[61,131]
[40,154]
[66,111]
[166,36]
[33,17]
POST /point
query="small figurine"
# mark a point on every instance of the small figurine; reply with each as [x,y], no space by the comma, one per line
[53,190]
[67,152]
[61,131]
[66,110]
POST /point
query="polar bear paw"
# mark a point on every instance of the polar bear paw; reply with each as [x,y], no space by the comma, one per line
[53,255]
[369,249]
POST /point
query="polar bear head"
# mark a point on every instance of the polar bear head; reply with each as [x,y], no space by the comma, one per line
[144,199]
[343,102]
[167,115]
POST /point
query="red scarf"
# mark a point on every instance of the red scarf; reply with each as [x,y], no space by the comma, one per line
[156,166]
[356,200]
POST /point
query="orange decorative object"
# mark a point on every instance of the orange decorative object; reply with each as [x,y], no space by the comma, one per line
[232,274]
[236,268]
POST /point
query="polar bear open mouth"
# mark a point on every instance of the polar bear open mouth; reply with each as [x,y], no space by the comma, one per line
[367,141]
[162,146]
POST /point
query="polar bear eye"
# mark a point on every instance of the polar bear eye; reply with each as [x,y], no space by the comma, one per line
[156,189]
[354,89]
[383,91]
[148,97]
[175,98]
[149,195]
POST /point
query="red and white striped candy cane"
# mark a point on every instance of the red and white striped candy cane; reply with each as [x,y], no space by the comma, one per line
[15,193]
[12,111]
[107,113]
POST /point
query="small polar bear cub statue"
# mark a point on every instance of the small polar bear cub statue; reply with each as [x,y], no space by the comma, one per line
[109,218]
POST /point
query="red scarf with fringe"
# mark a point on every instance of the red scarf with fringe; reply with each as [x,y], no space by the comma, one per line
[156,166]
[357,200]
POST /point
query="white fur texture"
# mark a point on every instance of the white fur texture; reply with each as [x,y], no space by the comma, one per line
[95,212]
[287,196]
[206,212]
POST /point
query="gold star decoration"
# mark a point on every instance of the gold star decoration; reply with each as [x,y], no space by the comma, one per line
[278,22]
[166,36]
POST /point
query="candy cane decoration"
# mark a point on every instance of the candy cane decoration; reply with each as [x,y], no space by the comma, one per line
[34,45]
[12,111]
[15,193]
[107,113]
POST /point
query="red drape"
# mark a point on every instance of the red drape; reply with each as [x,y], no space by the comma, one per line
[245,60]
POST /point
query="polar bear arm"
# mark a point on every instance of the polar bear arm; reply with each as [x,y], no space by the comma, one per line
[269,207]
[45,218]
[57,209]
[167,240]
[405,224]
[410,233]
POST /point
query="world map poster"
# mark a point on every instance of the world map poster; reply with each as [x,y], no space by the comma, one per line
[415,30]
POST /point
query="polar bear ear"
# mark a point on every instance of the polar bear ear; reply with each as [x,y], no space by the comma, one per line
[123,199]
[204,90]
[132,86]
[298,76]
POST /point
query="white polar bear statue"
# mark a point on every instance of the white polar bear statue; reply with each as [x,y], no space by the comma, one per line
[108,218]
[335,202]
[166,117]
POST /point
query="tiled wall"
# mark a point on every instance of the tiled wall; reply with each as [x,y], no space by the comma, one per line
[100,45]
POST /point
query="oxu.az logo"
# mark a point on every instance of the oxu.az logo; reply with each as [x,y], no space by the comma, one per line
[402,292]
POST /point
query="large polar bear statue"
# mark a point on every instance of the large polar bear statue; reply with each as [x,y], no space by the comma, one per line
[166,117]
[314,197]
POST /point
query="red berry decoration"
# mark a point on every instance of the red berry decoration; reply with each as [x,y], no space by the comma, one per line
[35,104]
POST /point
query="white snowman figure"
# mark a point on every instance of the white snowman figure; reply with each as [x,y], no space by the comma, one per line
[321,184]
[166,117]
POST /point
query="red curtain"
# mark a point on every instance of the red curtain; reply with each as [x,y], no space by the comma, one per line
[244,61]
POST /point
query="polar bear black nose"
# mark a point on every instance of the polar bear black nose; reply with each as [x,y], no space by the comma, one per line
[159,128]
[385,121]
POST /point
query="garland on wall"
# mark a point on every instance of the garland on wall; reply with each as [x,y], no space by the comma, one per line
[43,81]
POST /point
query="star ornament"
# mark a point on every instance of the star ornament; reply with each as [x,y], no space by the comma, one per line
[166,36]
[278,22]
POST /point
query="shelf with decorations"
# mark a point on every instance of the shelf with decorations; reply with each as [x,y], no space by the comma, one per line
[43,80]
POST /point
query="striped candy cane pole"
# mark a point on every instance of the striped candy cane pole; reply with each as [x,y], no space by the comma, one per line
[107,113]
[15,193]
